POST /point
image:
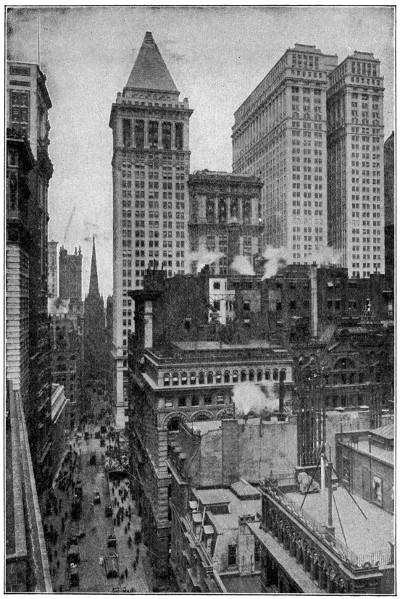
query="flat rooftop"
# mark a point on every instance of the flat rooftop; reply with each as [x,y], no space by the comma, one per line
[237,507]
[385,455]
[204,426]
[363,535]
[215,345]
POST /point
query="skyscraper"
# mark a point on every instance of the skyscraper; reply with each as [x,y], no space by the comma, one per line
[70,274]
[26,262]
[279,135]
[356,215]
[150,166]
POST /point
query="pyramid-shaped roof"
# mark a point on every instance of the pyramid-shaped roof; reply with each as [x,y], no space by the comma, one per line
[94,282]
[150,70]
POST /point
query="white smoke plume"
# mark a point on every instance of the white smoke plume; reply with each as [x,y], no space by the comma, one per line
[276,258]
[250,397]
[242,265]
[203,257]
[325,255]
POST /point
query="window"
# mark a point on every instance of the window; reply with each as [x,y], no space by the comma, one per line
[283,375]
[179,136]
[275,374]
[184,378]
[139,134]
[218,377]
[166,380]
[175,379]
[259,375]
[20,111]
[210,378]
[201,378]
[346,469]
[257,553]
[182,402]
[232,551]
[195,401]
[377,490]
[243,376]
[153,134]
[227,376]
[208,400]
[166,136]
[251,375]
[267,375]
[235,376]
[192,378]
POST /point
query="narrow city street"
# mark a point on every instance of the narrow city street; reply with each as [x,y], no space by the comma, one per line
[95,527]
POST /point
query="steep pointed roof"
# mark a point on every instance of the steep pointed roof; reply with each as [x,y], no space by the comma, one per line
[94,282]
[150,70]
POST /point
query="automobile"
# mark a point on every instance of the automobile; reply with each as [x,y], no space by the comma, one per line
[108,510]
[97,498]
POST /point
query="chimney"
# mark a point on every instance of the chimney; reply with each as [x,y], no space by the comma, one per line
[314,300]
[148,324]
[230,451]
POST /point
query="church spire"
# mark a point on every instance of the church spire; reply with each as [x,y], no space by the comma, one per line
[94,282]
[150,71]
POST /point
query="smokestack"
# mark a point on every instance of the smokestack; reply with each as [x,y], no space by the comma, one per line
[148,324]
[314,300]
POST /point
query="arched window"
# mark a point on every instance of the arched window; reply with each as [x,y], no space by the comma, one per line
[173,424]
[235,376]
[267,375]
[184,378]
[175,379]
[275,374]
[282,375]
[166,379]
[243,375]
[218,377]
[227,376]
[192,378]
[259,375]
[201,378]
[251,375]
[210,378]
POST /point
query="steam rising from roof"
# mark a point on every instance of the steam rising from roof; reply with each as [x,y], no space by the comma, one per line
[242,265]
[250,397]
[203,257]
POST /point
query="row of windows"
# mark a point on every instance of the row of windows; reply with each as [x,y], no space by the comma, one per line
[203,378]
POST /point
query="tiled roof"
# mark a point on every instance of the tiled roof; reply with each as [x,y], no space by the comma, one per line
[150,70]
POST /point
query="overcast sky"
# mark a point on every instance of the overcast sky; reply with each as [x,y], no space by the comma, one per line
[216,57]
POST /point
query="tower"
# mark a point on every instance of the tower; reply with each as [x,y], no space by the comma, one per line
[279,135]
[53,269]
[95,354]
[150,166]
[356,211]
[70,274]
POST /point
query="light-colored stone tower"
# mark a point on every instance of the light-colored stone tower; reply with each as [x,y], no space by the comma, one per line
[151,162]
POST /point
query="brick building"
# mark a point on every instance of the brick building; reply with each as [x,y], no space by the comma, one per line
[224,217]
[182,370]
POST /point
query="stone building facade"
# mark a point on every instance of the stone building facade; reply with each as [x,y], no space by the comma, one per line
[224,218]
[180,370]
[151,162]
[53,269]
[355,138]
[279,135]
[27,107]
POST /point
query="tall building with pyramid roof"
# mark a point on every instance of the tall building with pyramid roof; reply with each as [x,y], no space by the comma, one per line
[150,167]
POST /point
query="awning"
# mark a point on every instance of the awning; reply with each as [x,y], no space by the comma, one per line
[208,529]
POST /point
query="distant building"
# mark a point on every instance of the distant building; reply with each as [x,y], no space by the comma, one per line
[151,163]
[182,370]
[26,564]
[95,357]
[28,105]
[60,420]
[389,205]
[356,211]
[53,269]
[67,325]
[70,274]
[225,219]
[279,135]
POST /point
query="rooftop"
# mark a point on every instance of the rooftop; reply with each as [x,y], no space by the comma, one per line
[361,534]
[215,345]
[150,71]
[237,507]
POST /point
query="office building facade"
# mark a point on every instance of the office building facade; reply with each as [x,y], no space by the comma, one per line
[53,269]
[150,167]
[71,274]
[279,135]
[355,138]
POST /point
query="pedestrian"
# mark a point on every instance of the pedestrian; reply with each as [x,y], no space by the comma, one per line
[58,564]
[126,572]
[115,522]
[61,588]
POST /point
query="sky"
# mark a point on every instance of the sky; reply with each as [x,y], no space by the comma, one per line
[216,56]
